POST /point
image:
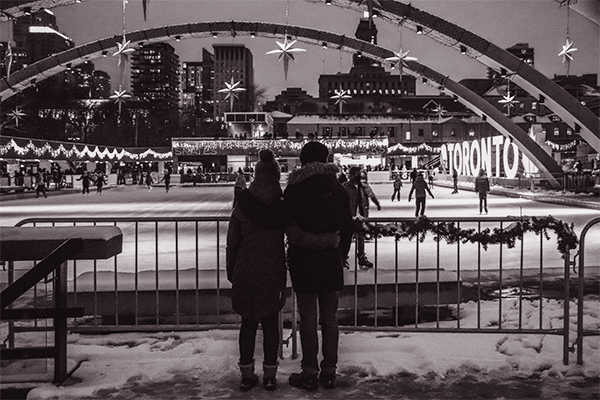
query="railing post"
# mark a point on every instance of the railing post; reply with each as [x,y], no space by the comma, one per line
[566,315]
[60,323]
[294,326]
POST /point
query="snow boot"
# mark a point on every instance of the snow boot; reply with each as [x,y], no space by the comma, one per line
[249,378]
[304,380]
[269,377]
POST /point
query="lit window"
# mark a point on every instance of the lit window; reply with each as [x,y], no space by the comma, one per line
[569,131]
[407,135]
[556,131]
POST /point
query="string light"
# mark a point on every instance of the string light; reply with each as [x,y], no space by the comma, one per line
[78,151]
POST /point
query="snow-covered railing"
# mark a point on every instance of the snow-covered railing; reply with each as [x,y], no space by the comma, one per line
[171,276]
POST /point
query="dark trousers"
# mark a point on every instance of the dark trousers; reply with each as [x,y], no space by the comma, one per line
[420,206]
[482,202]
[309,340]
[396,193]
[247,341]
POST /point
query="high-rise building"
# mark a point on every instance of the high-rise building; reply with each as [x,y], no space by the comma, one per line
[89,83]
[191,84]
[197,80]
[35,37]
[155,75]
[102,81]
[232,63]
[367,77]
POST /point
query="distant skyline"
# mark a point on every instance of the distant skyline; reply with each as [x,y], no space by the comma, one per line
[540,23]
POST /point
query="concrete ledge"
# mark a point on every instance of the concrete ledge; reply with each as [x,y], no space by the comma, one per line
[35,243]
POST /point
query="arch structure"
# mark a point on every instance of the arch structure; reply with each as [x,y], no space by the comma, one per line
[568,108]
[61,61]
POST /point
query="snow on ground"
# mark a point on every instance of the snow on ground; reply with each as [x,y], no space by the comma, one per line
[182,365]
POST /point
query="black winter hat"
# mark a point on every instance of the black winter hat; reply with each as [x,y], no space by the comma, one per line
[314,151]
[267,165]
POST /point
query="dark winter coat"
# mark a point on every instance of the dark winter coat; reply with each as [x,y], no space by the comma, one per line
[319,203]
[419,187]
[255,255]
[482,184]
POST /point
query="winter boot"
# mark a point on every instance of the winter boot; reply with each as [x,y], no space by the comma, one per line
[249,378]
[269,380]
[304,380]
[327,379]
[364,262]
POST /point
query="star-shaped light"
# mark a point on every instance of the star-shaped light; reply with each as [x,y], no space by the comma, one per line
[400,58]
[508,101]
[286,53]
[340,96]
[439,110]
[566,50]
[232,90]
[119,97]
[17,114]
[123,49]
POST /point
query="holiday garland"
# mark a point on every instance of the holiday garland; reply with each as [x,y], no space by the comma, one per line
[451,233]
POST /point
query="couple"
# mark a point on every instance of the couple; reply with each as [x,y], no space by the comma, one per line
[315,216]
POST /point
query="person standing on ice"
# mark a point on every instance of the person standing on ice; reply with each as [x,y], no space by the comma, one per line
[100,182]
[397,185]
[319,203]
[148,180]
[360,193]
[85,179]
[240,184]
[419,187]
[167,178]
[255,260]
[455,181]
[482,186]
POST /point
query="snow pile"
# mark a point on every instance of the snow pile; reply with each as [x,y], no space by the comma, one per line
[127,365]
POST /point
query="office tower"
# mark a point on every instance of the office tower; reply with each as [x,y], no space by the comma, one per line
[35,37]
[232,62]
[155,75]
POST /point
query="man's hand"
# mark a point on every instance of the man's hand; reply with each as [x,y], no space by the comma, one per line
[409,199]
[378,207]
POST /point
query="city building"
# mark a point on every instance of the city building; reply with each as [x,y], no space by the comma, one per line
[155,75]
[367,77]
[89,83]
[35,37]
[233,63]
[197,81]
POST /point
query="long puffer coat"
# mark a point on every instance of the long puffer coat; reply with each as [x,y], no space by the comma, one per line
[319,203]
[255,254]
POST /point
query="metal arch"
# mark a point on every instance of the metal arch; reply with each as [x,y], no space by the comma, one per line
[57,63]
[567,107]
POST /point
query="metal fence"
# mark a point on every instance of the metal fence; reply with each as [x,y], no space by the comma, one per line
[171,276]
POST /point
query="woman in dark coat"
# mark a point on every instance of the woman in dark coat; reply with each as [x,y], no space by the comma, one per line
[256,265]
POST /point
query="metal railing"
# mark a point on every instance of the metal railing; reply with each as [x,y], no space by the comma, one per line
[171,276]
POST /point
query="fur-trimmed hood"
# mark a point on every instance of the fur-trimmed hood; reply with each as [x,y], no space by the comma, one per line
[312,169]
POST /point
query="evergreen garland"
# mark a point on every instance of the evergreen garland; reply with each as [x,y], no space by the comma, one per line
[448,231]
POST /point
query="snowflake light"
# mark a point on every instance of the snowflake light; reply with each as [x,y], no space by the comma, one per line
[17,114]
[398,59]
[508,101]
[123,49]
[286,53]
[119,97]
[232,90]
[566,50]
[340,96]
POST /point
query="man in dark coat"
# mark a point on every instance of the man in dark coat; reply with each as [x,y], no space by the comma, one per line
[419,187]
[482,186]
[318,203]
